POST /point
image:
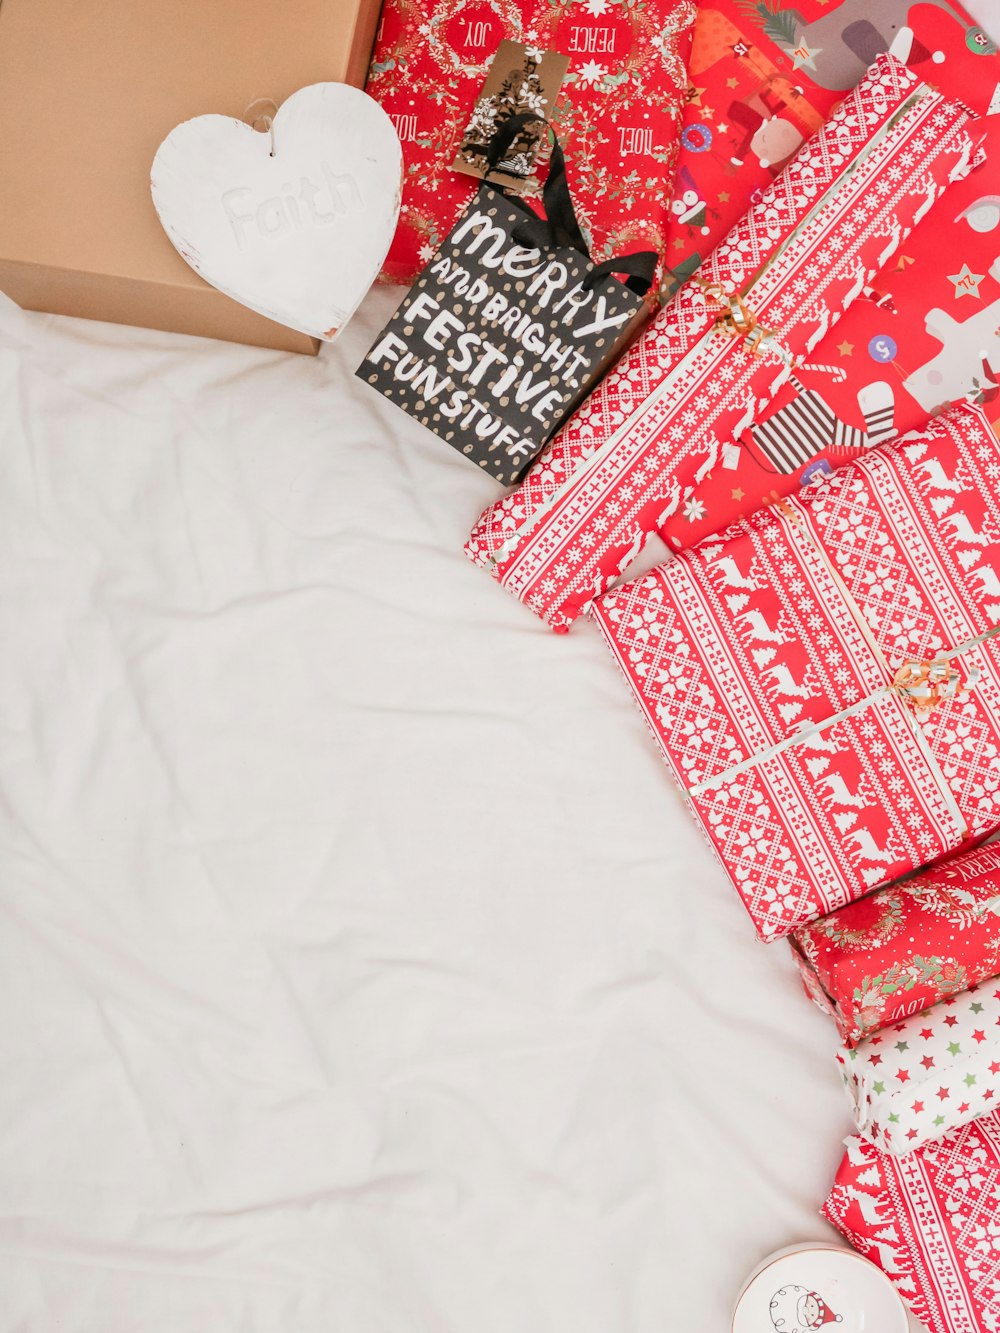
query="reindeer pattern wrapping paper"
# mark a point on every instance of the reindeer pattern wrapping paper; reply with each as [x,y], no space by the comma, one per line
[766,662]
[902,949]
[929,1074]
[929,1220]
[657,424]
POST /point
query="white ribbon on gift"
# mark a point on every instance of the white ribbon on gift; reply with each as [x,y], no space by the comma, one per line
[923,684]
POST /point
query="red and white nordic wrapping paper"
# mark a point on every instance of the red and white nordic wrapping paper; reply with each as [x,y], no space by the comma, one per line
[618,113]
[929,1074]
[931,1221]
[898,951]
[659,421]
[783,666]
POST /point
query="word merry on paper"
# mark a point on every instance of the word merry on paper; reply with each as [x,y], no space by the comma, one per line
[497,341]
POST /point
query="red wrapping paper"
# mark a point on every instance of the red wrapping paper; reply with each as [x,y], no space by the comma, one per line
[765,74]
[931,1221]
[764,661]
[657,424]
[925,333]
[899,951]
[618,114]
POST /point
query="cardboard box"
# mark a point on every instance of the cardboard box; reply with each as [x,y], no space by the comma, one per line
[92,89]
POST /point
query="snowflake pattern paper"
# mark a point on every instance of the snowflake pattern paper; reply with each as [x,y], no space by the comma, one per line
[898,951]
[660,420]
[931,1222]
[741,650]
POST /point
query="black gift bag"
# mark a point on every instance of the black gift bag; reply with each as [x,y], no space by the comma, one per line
[510,324]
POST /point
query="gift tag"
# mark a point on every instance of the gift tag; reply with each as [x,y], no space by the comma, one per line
[521,79]
[294,222]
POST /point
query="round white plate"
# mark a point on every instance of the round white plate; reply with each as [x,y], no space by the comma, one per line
[818,1288]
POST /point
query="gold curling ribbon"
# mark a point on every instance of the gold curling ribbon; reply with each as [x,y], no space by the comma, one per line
[739,320]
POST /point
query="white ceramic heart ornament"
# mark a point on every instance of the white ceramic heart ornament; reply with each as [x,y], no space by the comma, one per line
[298,235]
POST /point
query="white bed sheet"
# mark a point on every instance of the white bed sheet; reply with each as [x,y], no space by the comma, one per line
[360,971]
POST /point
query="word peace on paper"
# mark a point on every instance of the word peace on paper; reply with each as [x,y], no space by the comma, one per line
[497,341]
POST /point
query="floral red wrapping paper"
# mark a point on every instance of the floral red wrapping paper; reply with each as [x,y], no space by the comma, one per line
[618,114]
[659,422]
[766,661]
[898,951]
[931,1221]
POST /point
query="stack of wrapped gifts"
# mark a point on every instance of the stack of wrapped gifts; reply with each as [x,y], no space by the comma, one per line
[821,673]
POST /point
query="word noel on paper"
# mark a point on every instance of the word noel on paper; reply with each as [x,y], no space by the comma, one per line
[496,341]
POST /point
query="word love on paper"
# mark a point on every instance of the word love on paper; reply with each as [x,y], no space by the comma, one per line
[496,342]
[295,222]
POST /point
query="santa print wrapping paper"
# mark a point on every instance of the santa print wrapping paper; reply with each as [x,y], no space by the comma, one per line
[898,951]
[929,1074]
[931,1221]
[765,661]
[925,332]
[765,75]
[656,425]
[618,113]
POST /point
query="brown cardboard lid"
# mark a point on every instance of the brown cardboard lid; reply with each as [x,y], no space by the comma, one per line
[91,89]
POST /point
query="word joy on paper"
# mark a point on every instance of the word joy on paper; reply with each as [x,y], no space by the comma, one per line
[497,341]
[295,222]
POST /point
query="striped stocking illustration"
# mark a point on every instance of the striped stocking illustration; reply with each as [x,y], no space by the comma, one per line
[809,426]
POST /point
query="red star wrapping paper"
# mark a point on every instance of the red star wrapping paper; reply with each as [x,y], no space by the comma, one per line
[618,114]
[898,951]
[770,663]
[657,423]
[931,1221]
[929,1074]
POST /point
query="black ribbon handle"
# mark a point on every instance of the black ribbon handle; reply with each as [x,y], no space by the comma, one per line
[560,227]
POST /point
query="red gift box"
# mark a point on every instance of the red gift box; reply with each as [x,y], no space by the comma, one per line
[618,115]
[789,669]
[898,951]
[931,1222]
[925,333]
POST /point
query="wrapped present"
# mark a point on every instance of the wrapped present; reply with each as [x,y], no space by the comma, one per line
[929,1074]
[765,74]
[931,1222]
[618,112]
[898,951]
[925,332]
[823,678]
[659,421]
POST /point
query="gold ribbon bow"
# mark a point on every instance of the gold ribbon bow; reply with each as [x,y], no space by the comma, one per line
[929,684]
[739,320]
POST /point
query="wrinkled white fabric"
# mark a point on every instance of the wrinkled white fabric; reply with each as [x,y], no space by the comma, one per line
[359,969]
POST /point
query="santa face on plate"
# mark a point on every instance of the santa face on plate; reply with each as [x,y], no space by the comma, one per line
[796,1309]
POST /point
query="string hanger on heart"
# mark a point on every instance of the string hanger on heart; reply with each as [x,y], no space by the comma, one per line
[259,114]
